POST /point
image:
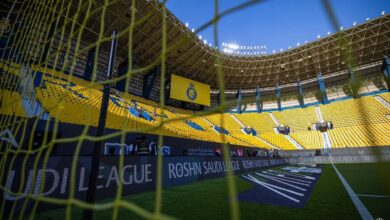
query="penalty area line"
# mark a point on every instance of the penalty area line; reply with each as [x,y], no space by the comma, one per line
[362,209]
[373,196]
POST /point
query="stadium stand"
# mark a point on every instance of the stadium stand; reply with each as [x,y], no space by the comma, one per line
[353,112]
[361,136]
[278,140]
[229,123]
[308,139]
[64,63]
[11,103]
[297,119]
[260,122]
[386,96]
[73,100]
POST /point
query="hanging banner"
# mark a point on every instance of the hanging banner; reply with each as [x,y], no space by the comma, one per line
[189,90]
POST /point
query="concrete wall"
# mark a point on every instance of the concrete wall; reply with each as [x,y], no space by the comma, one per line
[342,155]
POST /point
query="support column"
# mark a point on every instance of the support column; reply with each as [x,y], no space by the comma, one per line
[386,71]
[123,68]
[259,103]
[89,64]
[353,82]
[239,97]
[46,47]
[300,95]
[278,97]
[322,87]
[149,81]
[95,159]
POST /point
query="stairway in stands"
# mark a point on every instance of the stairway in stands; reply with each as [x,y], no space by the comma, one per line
[207,121]
[319,114]
[382,101]
[31,105]
[294,142]
[275,121]
[238,121]
[325,136]
[266,142]
[288,137]
[327,142]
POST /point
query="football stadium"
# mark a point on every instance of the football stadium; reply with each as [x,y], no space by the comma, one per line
[156,109]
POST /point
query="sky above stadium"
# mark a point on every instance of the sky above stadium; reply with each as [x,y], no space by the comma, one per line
[275,23]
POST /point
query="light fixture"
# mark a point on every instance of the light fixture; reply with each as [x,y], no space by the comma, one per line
[186,24]
[383,13]
[354,23]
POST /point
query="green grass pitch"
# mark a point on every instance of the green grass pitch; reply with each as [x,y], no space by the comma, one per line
[209,199]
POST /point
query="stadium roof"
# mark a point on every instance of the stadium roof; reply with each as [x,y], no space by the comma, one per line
[191,57]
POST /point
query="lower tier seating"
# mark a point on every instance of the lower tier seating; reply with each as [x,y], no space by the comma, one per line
[357,122]
[309,139]
[361,136]
[11,103]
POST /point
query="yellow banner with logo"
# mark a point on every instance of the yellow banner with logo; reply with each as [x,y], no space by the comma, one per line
[189,90]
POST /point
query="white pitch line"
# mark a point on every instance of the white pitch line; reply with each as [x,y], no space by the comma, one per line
[278,187]
[288,184]
[363,211]
[289,178]
[293,174]
[274,190]
[374,196]
[291,181]
[287,175]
